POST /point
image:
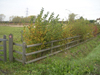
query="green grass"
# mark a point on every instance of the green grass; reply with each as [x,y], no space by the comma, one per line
[16,31]
[81,60]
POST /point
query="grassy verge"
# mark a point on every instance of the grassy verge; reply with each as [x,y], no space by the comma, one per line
[81,60]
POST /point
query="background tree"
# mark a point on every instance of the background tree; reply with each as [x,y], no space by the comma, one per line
[71,17]
[18,19]
[11,18]
[81,17]
[92,21]
[2,16]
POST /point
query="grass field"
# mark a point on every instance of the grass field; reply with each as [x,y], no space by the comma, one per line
[81,60]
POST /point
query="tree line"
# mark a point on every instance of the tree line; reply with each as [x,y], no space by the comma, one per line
[32,18]
[18,19]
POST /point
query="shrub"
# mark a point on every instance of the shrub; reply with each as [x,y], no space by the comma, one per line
[82,27]
[47,29]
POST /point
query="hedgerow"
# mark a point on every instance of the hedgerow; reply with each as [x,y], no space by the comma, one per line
[47,29]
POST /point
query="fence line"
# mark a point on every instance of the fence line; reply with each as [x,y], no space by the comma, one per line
[52,41]
[67,45]
[24,47]
[4,49]
[51,53]
[24,54]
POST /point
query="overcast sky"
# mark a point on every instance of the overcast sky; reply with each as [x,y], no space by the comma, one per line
[89,9]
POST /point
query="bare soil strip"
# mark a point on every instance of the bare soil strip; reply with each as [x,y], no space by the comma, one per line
[14,25]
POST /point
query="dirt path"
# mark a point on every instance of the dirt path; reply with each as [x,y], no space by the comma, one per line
[14,25]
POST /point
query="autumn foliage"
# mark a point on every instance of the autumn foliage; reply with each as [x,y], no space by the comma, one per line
[47,29]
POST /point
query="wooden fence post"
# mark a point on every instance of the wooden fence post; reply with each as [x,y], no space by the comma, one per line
[10,47]
[22,35]
[78,39]
[51,46]
[24,53]
[4,47]
[67,44]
